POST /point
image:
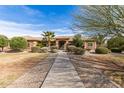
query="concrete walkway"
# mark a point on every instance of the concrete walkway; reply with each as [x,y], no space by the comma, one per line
[62,74]
[50,73]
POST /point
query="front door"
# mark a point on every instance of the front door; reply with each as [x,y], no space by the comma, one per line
[62,44]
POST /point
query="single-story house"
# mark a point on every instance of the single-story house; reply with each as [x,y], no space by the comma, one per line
[62,41]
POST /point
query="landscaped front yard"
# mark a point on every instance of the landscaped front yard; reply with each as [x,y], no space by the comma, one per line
[13,65]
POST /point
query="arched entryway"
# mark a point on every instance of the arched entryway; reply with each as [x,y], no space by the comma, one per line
[62,43]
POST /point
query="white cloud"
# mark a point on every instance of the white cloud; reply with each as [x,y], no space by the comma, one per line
[63,31]
[11,29]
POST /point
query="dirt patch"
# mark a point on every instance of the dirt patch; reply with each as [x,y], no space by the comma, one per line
[112,67]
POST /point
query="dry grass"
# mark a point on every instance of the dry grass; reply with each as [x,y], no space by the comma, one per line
[13,65]
[113,66]
[116,58]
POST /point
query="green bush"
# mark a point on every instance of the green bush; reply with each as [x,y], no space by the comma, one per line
[71,48]
[3,41]
[39,50]
[35,49]
[44,50]
[18,43]
[40,44]
[53,47]
[122,48]
[115,42]
[79,51]
[116,50]
[102,50]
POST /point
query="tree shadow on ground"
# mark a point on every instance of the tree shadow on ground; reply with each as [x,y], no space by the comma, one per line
[96,73]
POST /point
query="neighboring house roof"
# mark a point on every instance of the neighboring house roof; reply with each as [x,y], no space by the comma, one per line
[32,38]
[70,38]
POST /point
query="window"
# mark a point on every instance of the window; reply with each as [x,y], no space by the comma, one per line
[90,44]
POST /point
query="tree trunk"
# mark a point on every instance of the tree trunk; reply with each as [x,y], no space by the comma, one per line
[2,49]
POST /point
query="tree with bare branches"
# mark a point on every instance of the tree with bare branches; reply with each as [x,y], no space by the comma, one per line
[105,19]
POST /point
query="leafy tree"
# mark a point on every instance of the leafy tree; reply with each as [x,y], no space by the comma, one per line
[3,41]
[48,37]
[116,42]
[105,19]
[18,43]
[77,40]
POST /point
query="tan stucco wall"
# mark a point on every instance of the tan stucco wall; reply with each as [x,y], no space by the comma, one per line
[32,43]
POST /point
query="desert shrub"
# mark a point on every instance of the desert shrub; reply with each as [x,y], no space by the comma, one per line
[53,47]
[102,50]
[3,41]
[35,49]
[116,50]
[71,48]
[79,51]
[18,43]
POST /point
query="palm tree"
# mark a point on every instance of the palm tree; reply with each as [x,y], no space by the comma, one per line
[48,36]
[100,39]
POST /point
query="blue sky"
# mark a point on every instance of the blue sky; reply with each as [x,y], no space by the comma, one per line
[32,20]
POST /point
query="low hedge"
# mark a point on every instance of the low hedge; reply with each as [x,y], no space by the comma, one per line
[75,50]
[38,50]
[102,50]
[79,51]
[116,50]
[44,50]
[35,50]
[71,48]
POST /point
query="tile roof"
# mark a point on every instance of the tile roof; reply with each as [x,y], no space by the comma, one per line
[32,38]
